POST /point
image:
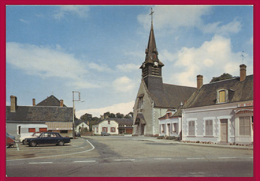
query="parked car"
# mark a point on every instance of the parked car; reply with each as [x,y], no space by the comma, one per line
[105,134]
[24,139]
[10,140]
[48,138]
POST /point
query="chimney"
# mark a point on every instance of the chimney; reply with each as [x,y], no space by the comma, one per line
[33,102]
[242,72]
[61,103]
[13,103]
[199,81]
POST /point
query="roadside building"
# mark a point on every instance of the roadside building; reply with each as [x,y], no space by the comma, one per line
[170,123]
[113,126]
[80,125]
[220,112]
[154,97]
[49,110]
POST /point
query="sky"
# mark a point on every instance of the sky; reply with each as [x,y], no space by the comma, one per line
[97,50]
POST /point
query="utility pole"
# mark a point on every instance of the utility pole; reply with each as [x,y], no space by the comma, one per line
[73,100]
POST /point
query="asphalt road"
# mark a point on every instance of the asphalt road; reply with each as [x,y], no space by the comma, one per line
[128,157]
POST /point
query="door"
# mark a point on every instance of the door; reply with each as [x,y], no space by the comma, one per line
[169,129]
[142,129]
[224,130]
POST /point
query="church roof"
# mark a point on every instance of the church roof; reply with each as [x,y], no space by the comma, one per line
[50,101]
[171,96]
[237,91]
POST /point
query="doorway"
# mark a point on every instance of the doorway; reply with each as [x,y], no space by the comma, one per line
[223,130]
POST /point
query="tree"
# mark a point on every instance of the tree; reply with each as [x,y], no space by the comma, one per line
[119,115]
[224,76]
[129,115]
[86,117]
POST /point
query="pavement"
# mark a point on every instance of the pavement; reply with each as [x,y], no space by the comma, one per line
[154,139]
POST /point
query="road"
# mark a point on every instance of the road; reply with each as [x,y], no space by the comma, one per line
[118,156]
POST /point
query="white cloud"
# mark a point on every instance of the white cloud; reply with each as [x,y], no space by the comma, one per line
[211,59]
[127,67]
[175,16]
[81,11]
[123,108]
[232,27]
[47,62]
[98,67]
[123,84]
[24,21]
[189,16]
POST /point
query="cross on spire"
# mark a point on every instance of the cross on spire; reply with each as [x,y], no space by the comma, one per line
[151,15]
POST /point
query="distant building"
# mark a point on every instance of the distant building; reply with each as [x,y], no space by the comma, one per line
[50,111]
[220,112]
[154,97]
[114,126]
[80,125]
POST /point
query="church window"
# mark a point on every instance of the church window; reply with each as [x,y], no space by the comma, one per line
[140,103]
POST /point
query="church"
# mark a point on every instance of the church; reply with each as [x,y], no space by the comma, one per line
[155,98]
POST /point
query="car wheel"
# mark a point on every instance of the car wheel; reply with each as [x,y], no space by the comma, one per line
[61,143]
[33,144]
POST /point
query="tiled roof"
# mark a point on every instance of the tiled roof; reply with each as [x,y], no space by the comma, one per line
[50,101]
[170,96]
[39,113]
[237,91]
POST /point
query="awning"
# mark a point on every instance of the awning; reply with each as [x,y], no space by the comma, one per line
[59,125]
[242,110]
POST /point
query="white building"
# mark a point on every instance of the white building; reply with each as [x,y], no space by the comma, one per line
[220,112]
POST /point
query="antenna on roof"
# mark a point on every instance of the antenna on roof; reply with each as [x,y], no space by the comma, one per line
[242,56]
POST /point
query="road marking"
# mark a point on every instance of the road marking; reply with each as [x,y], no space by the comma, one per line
[33,163]
[226,157]
[162,158]
[93,147]
[120,160]
[86,161]
[195,158]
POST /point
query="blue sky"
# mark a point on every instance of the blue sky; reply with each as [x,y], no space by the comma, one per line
[97,50]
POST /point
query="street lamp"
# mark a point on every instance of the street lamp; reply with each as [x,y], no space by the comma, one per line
[73,100]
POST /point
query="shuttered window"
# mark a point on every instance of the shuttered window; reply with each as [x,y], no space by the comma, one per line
[175,128]
[113,129]
[222,96]
[192,128]
[244,125]
[209,127]
[42,129]
[31,130]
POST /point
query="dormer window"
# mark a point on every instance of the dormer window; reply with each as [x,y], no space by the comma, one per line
[222,96]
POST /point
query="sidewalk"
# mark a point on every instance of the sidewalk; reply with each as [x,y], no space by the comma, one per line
[154,139]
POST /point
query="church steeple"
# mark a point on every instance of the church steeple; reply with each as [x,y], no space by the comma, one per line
[152,66]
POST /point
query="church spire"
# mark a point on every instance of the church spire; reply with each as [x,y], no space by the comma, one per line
[151,51]
[152,66]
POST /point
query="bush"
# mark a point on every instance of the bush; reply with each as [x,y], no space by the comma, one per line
[160,137]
